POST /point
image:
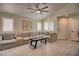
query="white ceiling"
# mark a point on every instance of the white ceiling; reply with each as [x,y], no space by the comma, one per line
[21,9]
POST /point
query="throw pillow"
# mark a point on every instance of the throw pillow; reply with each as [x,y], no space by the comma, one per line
[0,37]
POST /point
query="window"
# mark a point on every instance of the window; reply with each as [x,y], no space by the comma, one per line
[39,26]
[49,26]
[7,24]
[46,26]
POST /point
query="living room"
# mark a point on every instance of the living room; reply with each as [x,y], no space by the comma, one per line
[35,28]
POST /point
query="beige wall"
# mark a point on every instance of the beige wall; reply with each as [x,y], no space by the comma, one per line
[68,27]
[34,25]
[50,21]
[18,25]
[74,26]
[62,28]
[68,9]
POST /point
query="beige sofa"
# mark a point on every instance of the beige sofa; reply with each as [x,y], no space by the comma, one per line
[9,40]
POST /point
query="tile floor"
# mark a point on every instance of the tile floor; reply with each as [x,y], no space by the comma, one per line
[58,48]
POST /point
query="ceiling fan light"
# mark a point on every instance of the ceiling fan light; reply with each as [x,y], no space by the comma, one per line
[38,11]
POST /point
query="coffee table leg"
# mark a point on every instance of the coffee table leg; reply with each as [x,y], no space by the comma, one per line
[41,40]
[45,41]
[31,43]
[35,44]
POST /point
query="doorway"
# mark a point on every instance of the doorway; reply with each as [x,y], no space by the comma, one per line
[63,25]
[74,27]
[68,28]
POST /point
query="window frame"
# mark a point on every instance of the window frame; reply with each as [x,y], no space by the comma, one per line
[49,26]
[38,26]
[12,23]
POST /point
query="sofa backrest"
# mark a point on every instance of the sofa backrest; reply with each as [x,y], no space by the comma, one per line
[7,36]
[23,34]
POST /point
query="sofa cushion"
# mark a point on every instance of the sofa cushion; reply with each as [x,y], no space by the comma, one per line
[3,42]
[0,37]
[23,35]
[7,36]
[27,38]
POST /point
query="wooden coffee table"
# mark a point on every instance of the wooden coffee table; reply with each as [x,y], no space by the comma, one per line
[36,39]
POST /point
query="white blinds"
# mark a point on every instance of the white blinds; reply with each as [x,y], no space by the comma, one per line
[7,24]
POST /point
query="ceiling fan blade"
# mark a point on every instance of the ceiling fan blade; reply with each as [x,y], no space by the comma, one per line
[43,3]
[41,13]
[31,12]
[45,11]
[30,8]
[37,6]
[45,7]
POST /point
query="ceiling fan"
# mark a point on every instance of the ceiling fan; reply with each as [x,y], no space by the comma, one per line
[38,9]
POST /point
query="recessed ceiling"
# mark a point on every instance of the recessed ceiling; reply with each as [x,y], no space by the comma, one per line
[21,9]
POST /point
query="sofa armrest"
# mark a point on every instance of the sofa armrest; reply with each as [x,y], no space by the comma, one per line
[5,42]
[27,38]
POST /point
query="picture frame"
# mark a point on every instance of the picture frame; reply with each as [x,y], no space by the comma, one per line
[27,25]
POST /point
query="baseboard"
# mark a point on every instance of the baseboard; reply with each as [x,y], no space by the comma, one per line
[75,40]
[62,39]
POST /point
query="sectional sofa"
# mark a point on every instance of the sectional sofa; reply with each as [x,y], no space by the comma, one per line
[9,39]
